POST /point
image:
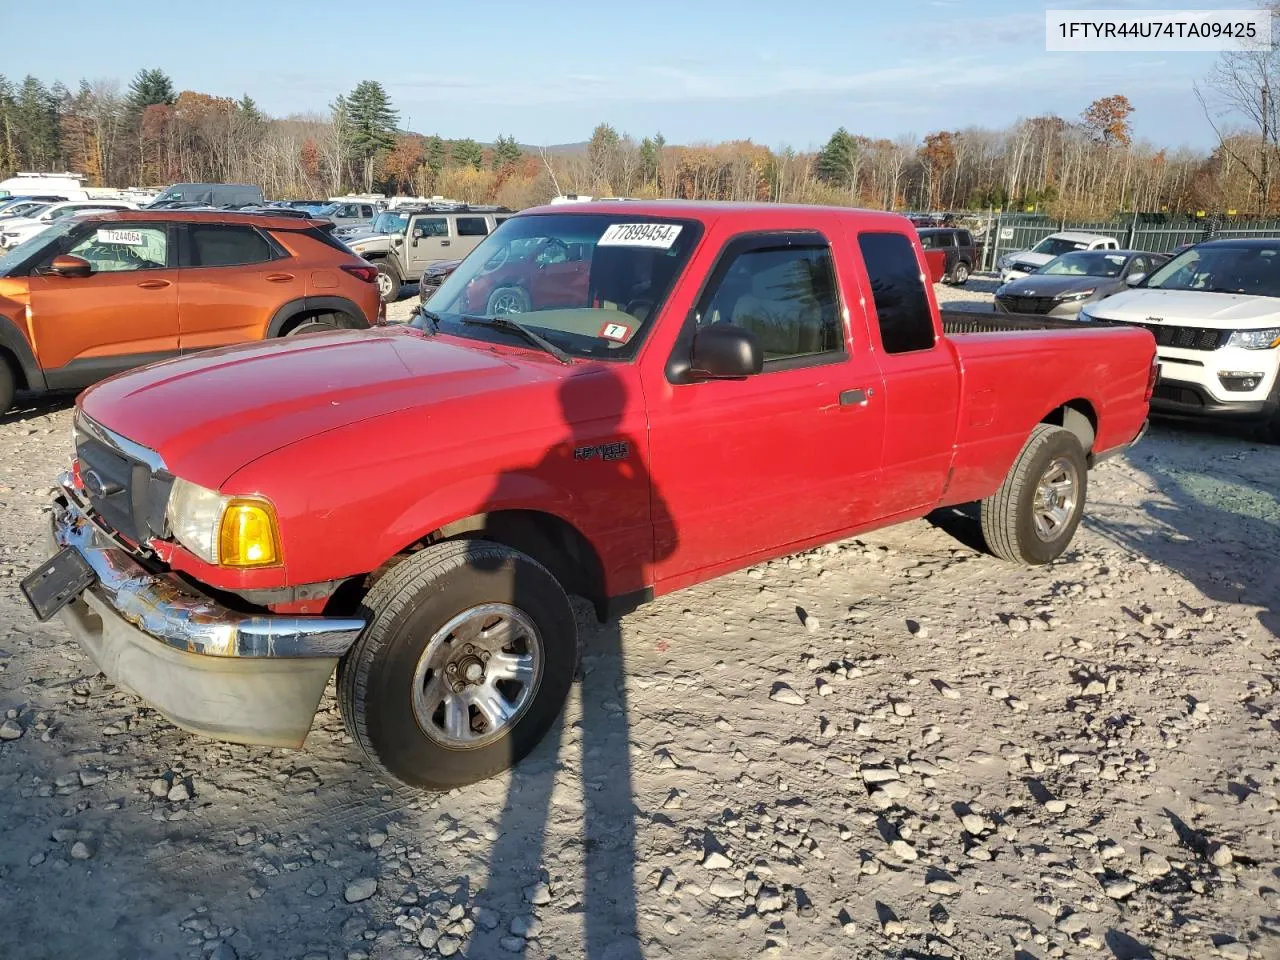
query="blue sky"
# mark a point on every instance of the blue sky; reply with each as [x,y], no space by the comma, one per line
[695,70]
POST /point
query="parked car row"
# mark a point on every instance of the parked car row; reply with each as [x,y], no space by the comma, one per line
[92,295]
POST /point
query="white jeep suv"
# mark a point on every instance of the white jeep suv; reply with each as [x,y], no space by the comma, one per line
[1215,313]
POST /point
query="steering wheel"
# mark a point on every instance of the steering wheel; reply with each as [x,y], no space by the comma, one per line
[553,243]
[639,308]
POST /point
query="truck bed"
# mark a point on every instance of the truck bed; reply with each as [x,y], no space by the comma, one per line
[957,321]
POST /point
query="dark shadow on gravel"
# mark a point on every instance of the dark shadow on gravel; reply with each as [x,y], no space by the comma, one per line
[608,832]
[1211,523]
[1125,947]
[26,405]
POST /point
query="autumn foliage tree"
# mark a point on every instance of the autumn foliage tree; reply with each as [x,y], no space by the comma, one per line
[1107,120]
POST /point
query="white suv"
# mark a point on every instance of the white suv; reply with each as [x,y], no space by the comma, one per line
[1215,313]
[18,229]
[1015,266]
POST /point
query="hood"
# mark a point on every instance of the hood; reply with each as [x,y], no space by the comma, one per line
[1222,311]
[1026,256]
[210,414]
[1040,285]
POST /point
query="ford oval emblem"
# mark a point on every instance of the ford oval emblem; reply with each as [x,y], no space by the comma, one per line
[93,483]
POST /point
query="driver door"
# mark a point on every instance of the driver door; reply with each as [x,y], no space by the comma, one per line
[428,241]
[123,315]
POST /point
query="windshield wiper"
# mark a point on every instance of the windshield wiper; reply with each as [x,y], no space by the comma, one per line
[515,326]
[431,317]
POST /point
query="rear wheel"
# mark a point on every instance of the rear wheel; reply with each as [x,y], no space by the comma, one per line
[7,385]
[466,662]
[1033,516]
[389,282]
[960,273]
[320,323]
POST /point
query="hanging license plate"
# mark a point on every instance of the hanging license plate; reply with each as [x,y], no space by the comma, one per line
[57,582]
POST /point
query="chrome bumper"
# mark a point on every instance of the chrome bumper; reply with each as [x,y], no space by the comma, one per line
[159,605]
[227,675]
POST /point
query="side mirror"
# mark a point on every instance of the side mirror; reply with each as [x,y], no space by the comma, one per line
[1134,279]
[725,352]
[65,265]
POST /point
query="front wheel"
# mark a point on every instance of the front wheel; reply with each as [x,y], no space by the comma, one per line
[467,660]
[1033,516]
[507,300]
[389,282]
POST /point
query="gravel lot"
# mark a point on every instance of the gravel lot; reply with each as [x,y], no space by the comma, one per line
[895,746]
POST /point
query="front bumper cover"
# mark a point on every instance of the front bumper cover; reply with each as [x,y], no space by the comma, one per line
[247,678]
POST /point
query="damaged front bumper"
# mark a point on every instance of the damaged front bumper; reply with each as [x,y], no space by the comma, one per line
[247,678]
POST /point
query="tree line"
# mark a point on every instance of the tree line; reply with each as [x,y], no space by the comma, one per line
[150,134]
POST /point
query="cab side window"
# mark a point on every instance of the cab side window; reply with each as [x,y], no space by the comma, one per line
[431,227]
[227,246]
[117,249]
[781,289]
[902,308]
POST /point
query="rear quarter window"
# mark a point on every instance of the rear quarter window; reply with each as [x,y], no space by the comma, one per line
[902,308]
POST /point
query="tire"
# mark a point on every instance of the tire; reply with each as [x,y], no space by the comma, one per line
[1013,524]
[389,282]
[960,274]
[320,323]
[506,300]
[409,612]
[7,385]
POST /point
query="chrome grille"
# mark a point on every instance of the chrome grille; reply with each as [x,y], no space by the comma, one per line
[125,483]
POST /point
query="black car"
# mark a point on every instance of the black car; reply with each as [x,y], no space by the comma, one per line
[950,253]
[1066,283]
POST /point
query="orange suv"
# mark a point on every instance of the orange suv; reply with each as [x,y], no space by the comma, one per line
[99,294]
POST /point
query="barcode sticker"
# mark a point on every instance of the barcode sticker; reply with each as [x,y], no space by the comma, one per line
[129,238]
[657,235]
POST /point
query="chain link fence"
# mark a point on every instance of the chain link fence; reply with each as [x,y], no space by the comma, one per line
[1158,233]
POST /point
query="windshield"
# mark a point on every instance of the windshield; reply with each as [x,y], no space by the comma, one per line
[32,210]
[388,222]
[16,256]
[1252,270]
[1093,263]
[589,283]
[1056,246]
[327,209]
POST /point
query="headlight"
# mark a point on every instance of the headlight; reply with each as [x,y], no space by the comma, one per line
[1255,339]
[228,531]
[1078,295]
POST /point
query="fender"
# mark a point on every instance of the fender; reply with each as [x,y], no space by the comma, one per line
[316,304]
[15,342]
[467,498]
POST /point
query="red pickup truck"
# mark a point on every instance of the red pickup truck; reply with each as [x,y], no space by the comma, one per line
[412,505]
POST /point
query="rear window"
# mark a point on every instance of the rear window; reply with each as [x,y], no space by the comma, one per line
[965,238]
[472,227]
[227,246]
[902,308]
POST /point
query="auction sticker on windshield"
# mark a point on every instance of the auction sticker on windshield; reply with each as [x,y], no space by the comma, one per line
[615,331]
[657,235]
[129,238]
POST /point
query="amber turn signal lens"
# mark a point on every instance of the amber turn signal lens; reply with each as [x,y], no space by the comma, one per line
[248,537]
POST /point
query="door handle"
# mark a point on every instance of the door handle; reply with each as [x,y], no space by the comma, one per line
[279,277]
[444,243]
[153,284]
[857,397]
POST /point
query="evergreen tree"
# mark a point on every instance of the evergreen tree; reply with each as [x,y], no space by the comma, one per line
[150,88]
[370,125]
[468,153]
[36,113]
[506,152]
[838,160]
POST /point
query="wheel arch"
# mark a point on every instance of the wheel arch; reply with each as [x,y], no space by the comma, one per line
[290,314]
[1079,417]
[16,353]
